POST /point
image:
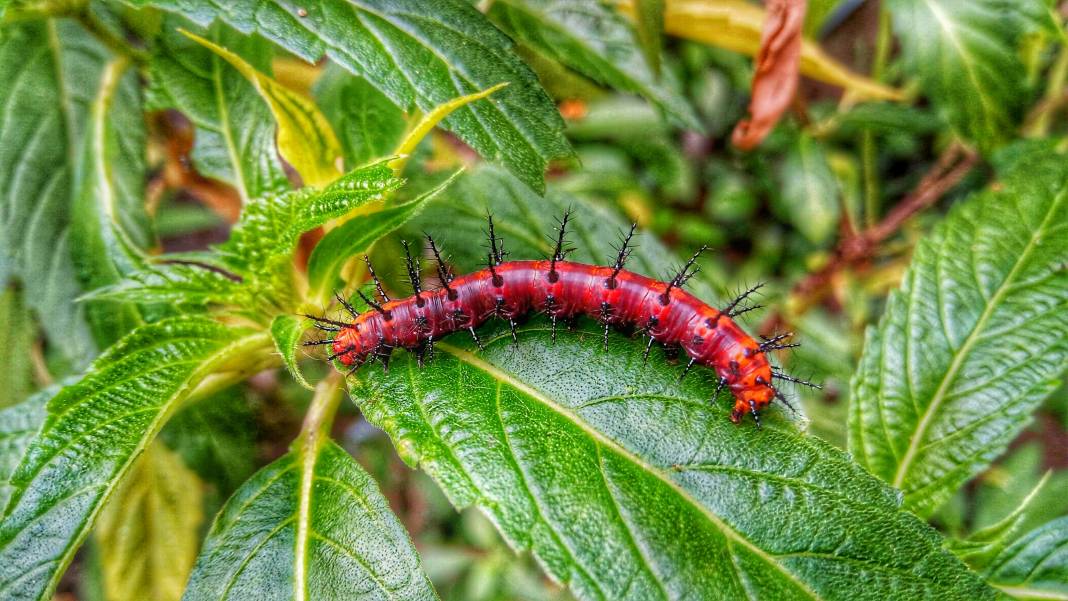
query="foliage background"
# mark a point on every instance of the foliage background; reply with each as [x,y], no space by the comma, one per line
[908,214]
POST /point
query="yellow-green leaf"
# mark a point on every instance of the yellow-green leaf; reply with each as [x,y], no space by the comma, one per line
[736,25]
[431,119]
[305,139]
[149,530]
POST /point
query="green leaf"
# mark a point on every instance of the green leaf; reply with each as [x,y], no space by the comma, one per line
[234,138]
[981,546]
[216,437]
[287,330]
[356,236]
[418,59]
[305,139]
[109,225]
[48,72]
[18,425]
[94,430]
[1036,565]
[966,54]
[972,342]
[649,24]
[270,227]
[17,336]
[148,532]
[810,191]
[355,548]
[626,483]
[595,40]
[179,283]
[367,123]
[1002,490]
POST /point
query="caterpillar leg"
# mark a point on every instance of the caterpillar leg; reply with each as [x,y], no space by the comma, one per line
[779,395]
[475,336]
[719,388]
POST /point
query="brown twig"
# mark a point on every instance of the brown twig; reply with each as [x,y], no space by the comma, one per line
[950,169]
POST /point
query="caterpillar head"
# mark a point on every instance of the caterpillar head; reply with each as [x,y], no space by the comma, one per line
[751,400]
[753,390]
[348,346]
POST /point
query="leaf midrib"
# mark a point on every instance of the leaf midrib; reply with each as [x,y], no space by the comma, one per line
[607,442]
[965,349]
[225,126]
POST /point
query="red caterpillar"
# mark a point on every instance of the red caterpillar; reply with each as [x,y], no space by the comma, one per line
[564,289]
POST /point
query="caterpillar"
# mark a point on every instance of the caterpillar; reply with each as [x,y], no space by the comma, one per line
[563,289]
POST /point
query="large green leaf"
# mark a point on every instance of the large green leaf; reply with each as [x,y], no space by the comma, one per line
[418,58]
[597,41]
[109,226]
[149,531]
[626,483]
[1036,565]
[368,124]
[972,342]
[353,545]
[48,74]
[234,138]
[967,56]
[94,430]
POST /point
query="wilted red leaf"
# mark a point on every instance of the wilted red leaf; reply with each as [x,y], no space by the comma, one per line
[777,68]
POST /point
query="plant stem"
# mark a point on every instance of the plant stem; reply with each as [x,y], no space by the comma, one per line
[320,415]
